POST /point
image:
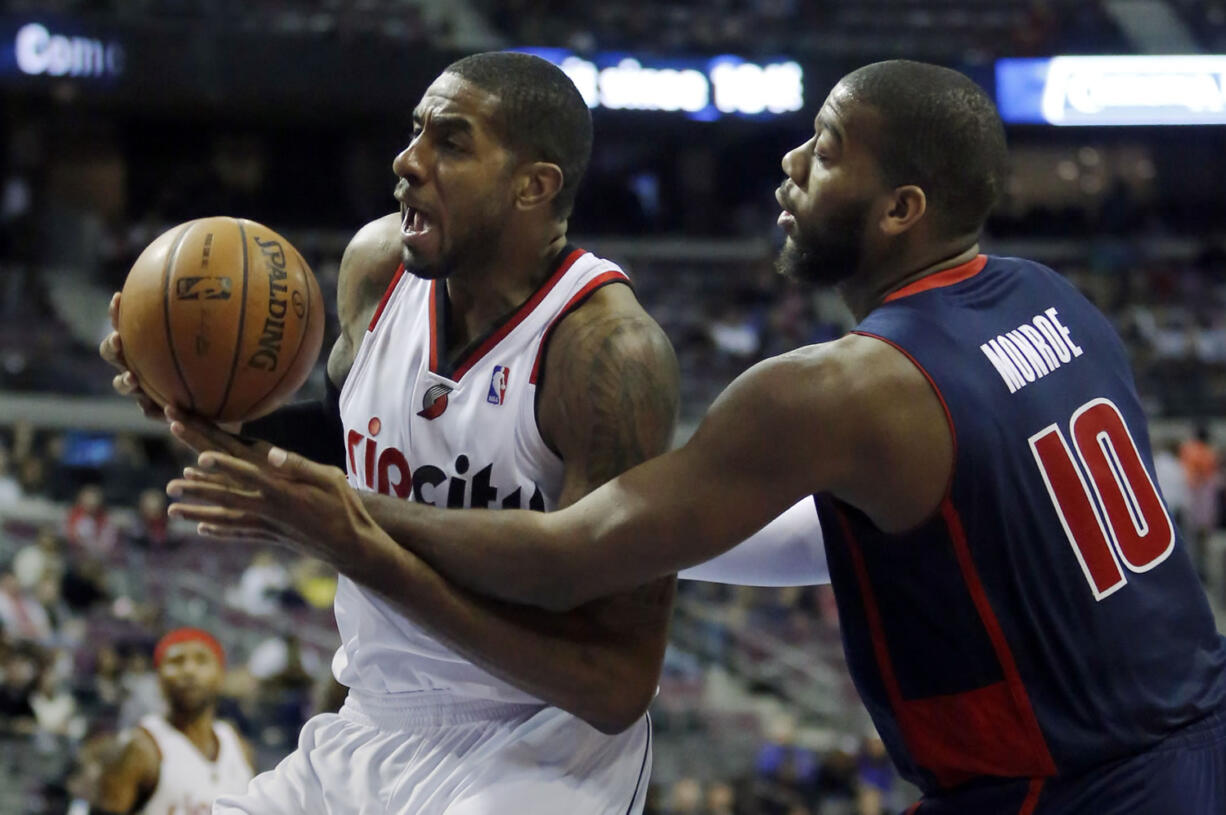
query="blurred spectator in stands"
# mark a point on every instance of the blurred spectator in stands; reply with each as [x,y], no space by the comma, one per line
[734,333]
[125,471]
[67,629]
[685,797]
[721,799]
[83,583]
[877,780]
[315,583]
[1172,480]
[94,753]
[786,773]
[18,674]
[1201,468]
[284,695]
[36,560]
[835,784]
[10,489]
[141,692]
[106,677]
[260,588]
[89,528]
[21,615]
[55,708]
[151,529]
[32,477]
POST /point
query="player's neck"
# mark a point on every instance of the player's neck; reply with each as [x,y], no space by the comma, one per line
[862,298]
[481,297]
[198,728]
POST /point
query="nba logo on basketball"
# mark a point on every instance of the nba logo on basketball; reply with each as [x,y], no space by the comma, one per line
[498,385]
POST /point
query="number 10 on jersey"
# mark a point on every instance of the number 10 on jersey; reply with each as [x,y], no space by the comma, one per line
[1124,520]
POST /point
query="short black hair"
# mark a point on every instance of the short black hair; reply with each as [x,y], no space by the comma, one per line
[940,132]
[543,116]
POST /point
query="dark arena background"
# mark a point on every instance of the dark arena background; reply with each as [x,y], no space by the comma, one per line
[121,119]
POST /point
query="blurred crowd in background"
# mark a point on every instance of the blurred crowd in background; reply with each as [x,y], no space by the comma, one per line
[756,714]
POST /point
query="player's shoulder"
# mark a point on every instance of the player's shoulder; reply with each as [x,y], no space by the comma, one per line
[853,366]
[139,750]
[367,268]
[611,324]
[859,383]
[379,239]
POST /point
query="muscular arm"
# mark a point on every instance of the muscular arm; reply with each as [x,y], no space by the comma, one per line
[608,400]
[131,778]
[852,417]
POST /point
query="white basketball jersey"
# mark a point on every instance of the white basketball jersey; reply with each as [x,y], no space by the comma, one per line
[188,783]
[451,435]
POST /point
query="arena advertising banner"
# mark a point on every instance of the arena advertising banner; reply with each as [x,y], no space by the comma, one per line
[47,48]
[1113,90]
[705,89]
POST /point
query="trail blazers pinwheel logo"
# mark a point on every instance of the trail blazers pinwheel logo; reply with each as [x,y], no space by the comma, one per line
[434,402]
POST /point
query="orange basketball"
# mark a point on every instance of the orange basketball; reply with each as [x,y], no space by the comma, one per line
[222,317]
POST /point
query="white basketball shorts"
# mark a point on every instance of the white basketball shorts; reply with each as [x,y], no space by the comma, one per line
[469,758]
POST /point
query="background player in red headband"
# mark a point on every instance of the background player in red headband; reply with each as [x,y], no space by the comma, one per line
[180,762]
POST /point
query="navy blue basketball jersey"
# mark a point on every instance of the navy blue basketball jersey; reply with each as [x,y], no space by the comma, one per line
[1047,619]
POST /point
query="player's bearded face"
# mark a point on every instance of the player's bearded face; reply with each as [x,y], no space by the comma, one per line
[826,249]
[472,245]
[471,235]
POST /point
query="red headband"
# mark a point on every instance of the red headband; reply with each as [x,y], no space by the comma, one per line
[187,635]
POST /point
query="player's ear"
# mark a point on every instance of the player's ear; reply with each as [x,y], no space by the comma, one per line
[538,183]
[906,207]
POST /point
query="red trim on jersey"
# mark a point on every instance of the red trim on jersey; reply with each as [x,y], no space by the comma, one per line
[1032,797]
[435,323]
[940,280]
[914,808]
[387,295]
[1033,741]
[470,359]
[949,417]
[597,282]
[998,733]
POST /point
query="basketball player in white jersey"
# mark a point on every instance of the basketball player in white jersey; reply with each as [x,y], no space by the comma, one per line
[178,764]
[482,361]
[498,367]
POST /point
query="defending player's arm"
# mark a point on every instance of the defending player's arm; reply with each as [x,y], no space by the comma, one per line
[130,778]
[853,417]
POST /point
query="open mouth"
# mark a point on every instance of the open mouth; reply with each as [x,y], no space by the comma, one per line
[416,227]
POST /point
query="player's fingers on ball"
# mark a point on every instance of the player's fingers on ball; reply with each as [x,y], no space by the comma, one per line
[111,350]
[113,310]
[189,433]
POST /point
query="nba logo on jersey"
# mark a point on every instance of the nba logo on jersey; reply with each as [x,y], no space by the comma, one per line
[498,385]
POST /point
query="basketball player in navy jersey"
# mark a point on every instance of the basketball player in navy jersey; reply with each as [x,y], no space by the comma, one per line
[1019,613]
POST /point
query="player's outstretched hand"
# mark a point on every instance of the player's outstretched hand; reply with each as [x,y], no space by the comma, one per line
[124,383]
[284,499]
[203,436]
